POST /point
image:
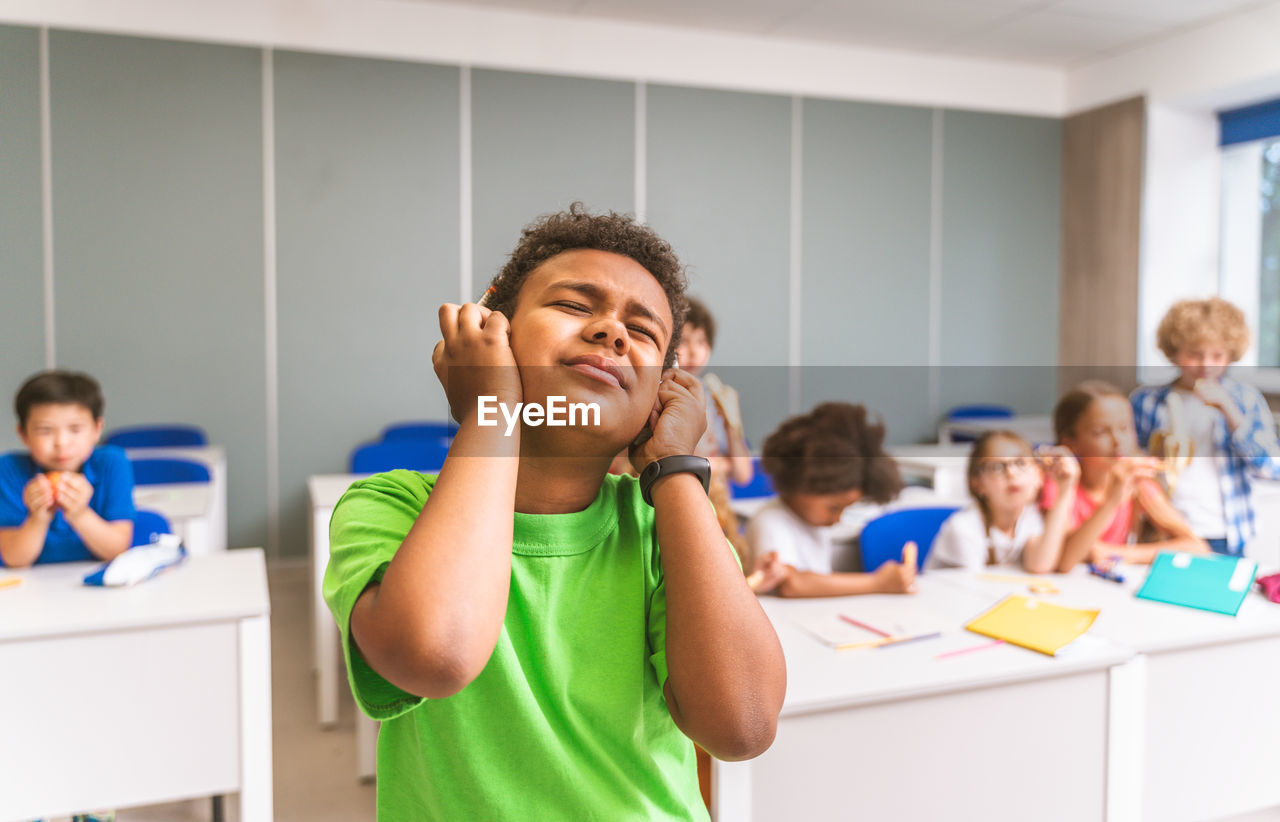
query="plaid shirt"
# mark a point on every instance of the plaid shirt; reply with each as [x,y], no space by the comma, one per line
[1251,449]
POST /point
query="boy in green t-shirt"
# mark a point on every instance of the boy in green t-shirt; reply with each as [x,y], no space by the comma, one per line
[531,652]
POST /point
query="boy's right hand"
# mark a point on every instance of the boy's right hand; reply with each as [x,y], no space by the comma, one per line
[474,359]
[1123,477]
[38,496]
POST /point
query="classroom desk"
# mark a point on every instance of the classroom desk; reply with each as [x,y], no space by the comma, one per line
[944,466]
[112,698]
[324,491]
[1001,733]
[188,506]
[1037,429]
[1197,732]
[208,530]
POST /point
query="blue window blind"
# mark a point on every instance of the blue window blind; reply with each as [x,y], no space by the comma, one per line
[1256,122]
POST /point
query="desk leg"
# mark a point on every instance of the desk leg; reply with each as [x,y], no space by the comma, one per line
[730,791]
[256,801]
[366,747]
[1126,732]
[324,636]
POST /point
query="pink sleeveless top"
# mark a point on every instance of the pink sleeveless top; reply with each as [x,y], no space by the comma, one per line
[1116,532]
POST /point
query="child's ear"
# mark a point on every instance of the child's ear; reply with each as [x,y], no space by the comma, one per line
[97,432]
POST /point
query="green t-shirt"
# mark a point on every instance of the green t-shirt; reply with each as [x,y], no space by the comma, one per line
[567,721]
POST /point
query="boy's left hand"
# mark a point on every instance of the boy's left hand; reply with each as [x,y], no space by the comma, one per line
[74,493]
[677,421]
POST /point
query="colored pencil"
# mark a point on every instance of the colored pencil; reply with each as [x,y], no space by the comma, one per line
[970,649]
[864,626]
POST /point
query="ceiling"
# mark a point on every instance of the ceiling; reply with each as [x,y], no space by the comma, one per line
[1057,33]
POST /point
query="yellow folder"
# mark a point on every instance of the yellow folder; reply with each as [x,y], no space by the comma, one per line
[1033,623]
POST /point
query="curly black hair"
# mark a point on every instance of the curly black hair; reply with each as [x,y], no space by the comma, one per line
[553,234]
[832,449]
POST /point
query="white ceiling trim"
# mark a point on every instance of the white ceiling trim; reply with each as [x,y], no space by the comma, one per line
[484,37]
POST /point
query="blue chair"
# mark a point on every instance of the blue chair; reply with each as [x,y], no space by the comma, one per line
[760,486]
[156,471]
[883,537]
[968,412]
[147,525]
[158,436]
[426,456]
[971,412]
[423,430]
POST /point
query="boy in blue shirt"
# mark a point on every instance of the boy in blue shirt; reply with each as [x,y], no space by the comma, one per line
[64,499]
[540,639]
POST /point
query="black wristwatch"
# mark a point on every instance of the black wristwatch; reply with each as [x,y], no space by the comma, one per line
[700,467]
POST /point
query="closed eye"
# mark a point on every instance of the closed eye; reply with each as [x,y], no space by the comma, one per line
[572,306]
[642,330]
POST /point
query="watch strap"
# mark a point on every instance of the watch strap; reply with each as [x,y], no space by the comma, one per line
[677,464]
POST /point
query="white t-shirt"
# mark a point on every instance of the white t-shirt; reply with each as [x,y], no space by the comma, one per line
[963,540]
[805,547]
[1197,494]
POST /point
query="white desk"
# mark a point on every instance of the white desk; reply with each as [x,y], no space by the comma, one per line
[892,733]
[1196,736]
[324,491]
[207,529]
[118,697]
[188,506]
[1037,429]
[943,466]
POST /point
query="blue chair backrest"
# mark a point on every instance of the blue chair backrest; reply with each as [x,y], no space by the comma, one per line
[968,412]
[158,436]
[758,487]
[147,524]
[883,537]
[423,430]
[158,471]
[426,456]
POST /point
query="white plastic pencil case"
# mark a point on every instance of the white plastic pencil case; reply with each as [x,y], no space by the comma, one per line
[139,564]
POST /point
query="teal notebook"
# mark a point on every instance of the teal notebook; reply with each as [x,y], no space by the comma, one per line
[1210,582]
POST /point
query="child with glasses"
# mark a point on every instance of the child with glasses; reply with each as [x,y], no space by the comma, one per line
[1119,512]
[1003,525]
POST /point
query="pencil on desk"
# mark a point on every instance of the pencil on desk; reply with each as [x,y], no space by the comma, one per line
[864,626]
[970,649]
[10,582]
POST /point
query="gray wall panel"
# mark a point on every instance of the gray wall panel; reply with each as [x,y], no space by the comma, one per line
[368,227]
[1000,240]
[157,178]
[22,328]
[866,258]
[719,183]
[540,142]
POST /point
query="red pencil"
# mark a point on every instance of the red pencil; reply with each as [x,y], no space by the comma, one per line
[864,626]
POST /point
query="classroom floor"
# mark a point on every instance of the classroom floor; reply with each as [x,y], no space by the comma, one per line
[315,770]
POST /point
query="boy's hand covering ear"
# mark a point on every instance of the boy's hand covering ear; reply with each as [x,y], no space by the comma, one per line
[677,421]
[474,358]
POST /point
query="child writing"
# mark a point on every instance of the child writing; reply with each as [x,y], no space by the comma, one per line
[540,639]
[1004,525]
[1222,427]
[65,498]
[821,463]
[1117,487]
